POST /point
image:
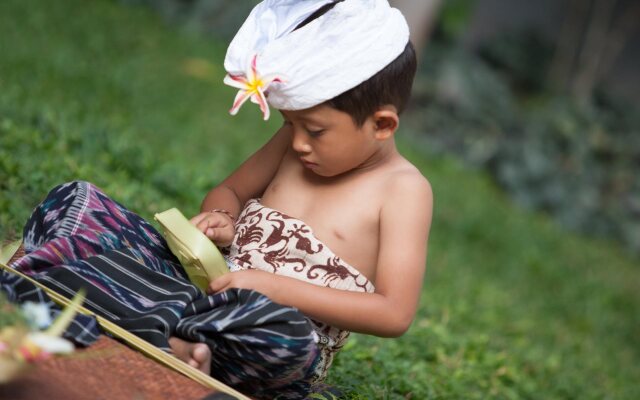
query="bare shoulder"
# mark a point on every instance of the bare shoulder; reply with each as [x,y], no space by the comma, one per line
[405,180]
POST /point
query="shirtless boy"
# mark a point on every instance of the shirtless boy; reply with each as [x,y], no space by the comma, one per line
[325,227]
[334,165]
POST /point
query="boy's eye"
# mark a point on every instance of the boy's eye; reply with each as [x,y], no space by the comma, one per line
[315,133]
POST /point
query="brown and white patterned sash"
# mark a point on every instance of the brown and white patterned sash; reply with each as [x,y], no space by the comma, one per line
[271,241]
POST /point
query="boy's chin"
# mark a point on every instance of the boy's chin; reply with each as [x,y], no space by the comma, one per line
[316,171]
[326,174]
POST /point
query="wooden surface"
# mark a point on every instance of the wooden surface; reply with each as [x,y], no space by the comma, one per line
[105,370]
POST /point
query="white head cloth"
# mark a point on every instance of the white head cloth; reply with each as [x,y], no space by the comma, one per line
[306,67]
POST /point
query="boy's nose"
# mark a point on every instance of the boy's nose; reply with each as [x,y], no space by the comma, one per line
[299,143]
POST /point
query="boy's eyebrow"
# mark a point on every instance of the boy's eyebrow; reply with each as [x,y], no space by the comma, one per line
[313,120]
[306,118]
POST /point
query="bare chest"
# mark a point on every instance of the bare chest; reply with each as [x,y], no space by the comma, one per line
[343,215]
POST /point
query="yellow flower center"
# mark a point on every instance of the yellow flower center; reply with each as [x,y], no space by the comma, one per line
[254,85]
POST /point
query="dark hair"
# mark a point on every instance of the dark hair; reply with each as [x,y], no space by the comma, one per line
[391,85]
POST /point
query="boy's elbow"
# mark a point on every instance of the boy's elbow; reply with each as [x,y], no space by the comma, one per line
[403,326]
[398,326]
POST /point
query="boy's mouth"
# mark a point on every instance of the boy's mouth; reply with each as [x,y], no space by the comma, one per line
[308,164]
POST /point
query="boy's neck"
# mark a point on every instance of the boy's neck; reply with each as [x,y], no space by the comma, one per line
[384,154]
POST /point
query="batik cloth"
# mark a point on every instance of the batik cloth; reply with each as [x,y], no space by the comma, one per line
[80,238]
[271,241]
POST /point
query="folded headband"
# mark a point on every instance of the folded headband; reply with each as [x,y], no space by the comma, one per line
[273,64]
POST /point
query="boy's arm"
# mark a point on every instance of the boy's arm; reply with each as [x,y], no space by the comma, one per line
[251,178]
[248,181]
[404,228]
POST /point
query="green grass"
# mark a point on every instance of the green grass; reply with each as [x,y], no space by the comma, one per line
[513,307]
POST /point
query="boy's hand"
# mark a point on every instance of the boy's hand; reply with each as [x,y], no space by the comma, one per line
[260,281]
[218,227]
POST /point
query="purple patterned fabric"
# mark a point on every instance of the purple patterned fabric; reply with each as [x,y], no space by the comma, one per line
[80,238]
[77,220]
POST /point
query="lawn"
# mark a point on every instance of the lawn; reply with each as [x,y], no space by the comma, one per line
[513,307]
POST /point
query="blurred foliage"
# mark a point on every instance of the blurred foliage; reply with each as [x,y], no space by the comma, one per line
[221,18]
[454,18]
[573,159]
[72,99]
[496,110]
[513,307]
[522,58]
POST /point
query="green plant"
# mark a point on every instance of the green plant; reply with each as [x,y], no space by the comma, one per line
[513,306]
[549,152]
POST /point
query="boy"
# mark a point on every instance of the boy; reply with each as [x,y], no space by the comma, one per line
[334,165]
[332,222]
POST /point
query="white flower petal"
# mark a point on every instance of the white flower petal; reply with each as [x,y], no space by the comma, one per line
[270,78]
[38,314]
[238,82]
[50,344]
[241,97]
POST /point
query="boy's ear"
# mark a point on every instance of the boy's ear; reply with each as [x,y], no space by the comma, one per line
[386,122]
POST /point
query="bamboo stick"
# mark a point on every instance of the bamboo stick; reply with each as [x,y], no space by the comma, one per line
[139,344]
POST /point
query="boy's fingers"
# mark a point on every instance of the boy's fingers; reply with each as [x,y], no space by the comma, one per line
[202,223]
[218,284]
[208,220]
[202,226]
[219,237]
[206,224]
[216,222]
[198,218]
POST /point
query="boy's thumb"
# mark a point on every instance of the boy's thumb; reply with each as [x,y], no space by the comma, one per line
[211,233]
[216,285]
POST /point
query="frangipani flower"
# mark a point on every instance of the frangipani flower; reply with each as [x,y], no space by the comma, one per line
[252,86]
